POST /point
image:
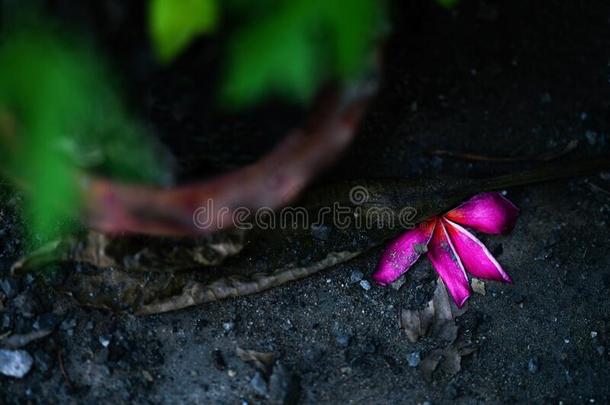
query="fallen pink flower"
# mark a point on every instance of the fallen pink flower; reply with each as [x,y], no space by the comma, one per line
[453,250]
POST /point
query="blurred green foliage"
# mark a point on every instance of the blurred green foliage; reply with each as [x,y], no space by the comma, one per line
[60,115]
[448,3]
[285,47]
[174,23]
[296,45]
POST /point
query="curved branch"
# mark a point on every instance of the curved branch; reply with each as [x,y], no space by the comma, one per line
[271,182]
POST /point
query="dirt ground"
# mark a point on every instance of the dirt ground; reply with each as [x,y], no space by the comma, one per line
[499,78]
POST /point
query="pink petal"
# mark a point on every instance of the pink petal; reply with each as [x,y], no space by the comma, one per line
[447,264]
[477,260]
[486,212]
[402,252]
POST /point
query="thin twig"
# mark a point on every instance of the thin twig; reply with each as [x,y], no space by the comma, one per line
[63,370]
[544,157]
[598,189]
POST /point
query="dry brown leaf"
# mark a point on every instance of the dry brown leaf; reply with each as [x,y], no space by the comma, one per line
[136,254]
[261,360]
[449,358]
[440,312]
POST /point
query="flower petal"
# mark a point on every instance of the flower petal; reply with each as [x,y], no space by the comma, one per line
[402,252]
[486,212]
[477,260]
[447,264]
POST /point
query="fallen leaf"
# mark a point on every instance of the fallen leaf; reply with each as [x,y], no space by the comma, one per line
[135,254]
[261,360]
[416,322]
[440,313]
[449,358]
[429,364]
[194,293]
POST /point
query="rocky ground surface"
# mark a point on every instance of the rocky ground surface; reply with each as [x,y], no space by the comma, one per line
[518,79]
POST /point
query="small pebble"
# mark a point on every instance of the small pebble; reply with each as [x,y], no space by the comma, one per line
[6,321]
[591,137]
[569,378]
[413,359]
[593,334]
[10,287]
[68,324]
[478,286]
[533,366]
[228,326]
[231,373]
[104,341]
[259,384]
[343,340]
[356,276]
[346,370]
[45,321]
[147,376]
[15,363]
[365,285]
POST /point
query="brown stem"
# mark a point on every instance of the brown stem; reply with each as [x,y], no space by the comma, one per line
[271,182]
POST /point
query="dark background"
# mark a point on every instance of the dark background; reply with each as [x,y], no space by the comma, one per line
[497,78]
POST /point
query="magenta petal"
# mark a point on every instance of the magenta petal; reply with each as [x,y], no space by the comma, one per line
[447,264]
[477,260]
[402,252]
[486,212]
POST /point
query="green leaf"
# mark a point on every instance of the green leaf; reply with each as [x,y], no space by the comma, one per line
[60,100]
[353,24]
[261,63]
[448,3]
[174,24]
[297,45]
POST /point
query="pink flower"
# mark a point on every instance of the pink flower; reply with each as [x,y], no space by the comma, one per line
[453,250]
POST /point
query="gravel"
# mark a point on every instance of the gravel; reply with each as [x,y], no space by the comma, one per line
[15,363]
[413,359]
[497,113]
